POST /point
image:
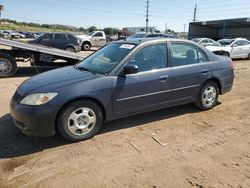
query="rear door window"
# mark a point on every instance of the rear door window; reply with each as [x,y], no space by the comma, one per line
[239,43]
[185,54]
[201,56]
[244,43]
[64,37]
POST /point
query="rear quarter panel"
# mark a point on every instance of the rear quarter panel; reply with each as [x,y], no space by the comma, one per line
[223,71]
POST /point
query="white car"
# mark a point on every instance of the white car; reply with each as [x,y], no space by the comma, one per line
[93,39]
[234,48]
[203,41]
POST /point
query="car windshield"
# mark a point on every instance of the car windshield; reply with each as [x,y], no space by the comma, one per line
[216,44]
[197,40]
[105,59]
[226,42]
[90,34]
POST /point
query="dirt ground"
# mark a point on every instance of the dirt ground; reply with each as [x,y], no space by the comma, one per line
[176,147]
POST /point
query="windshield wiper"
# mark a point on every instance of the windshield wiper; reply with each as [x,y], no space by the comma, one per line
[84,69]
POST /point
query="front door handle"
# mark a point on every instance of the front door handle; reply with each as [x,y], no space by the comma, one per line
[204,71]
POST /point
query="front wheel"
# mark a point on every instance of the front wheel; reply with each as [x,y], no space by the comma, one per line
[208,96]
[86,46]
[80,120]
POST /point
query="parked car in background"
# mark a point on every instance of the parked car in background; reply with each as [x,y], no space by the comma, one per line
[121,79]
[37,34]
[93,39]
[216,46]
[63,41]
[10,35]
[233,48]
[27,35]
[138,35]
[151,35]
[225,42]
[161,35]
[203,41]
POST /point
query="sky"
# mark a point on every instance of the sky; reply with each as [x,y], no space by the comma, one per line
[128,13]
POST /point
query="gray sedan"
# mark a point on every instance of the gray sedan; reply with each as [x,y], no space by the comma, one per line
[121,79]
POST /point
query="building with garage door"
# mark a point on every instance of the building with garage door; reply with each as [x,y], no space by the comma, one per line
[219,29]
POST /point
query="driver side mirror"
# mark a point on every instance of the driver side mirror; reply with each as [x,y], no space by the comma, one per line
[234,45]
[130,69]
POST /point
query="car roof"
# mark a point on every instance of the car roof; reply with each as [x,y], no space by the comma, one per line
[202,38]
[239,39]
[150,40]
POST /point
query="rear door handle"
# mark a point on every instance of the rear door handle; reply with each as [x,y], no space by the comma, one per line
[163,78]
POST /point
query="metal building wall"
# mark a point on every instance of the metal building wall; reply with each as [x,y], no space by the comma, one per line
[218,29]
[201,31]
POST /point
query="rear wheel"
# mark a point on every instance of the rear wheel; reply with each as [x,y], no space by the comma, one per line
[80,120]
[70,49]
[8,66]
[208,96]
[86,46]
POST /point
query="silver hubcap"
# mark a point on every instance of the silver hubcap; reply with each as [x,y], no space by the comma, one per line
[209,96]
[5,66]
[87,47]
[81,121]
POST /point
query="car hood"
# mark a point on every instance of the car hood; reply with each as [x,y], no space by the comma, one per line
[54,79]
[84,36]
[214,48]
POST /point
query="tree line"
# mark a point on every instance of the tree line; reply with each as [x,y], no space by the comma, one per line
[107,30]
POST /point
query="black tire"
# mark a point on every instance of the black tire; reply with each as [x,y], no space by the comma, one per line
[86,46]
[208,89]
[64,120]
[248,56]
[9,66]
[70,49]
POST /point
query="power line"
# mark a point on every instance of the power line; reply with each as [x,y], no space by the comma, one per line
[84,9]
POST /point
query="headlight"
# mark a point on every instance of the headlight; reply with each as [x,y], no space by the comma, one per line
[38,98]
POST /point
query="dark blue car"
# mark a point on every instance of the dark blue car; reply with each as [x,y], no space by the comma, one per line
[121,79]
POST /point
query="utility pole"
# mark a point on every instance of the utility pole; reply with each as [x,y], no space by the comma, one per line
[185,28]
[1,9]
[166,27]
[147,11]
[195,9]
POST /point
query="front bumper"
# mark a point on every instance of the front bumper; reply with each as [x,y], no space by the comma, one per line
[34,120]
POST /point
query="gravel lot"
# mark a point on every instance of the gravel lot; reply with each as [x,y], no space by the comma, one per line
[176,147]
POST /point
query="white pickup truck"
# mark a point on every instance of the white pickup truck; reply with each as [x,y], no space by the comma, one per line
[93,39]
